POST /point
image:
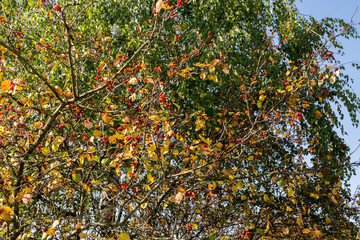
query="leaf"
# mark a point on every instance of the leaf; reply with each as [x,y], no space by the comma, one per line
[290,192]
[299,221]
[45,150]
[6,213]
[158,6]
[133,81]
[144,205]
[318,114]
[97,133]
[83,235]
[328,220]
[179,195]
[5,85]
[334,200]
[203,75]
[166,6]
[267,228]
[55,223]
[107,119]
[88,124]
[86,187]
[26,198]
[76,177]
[50,231]
[199,124]
[266,198]
[150,178]
[59,140]
[306,231]
[332,79]
[124,236]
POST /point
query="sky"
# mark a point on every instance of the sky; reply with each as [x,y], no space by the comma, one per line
[345,9]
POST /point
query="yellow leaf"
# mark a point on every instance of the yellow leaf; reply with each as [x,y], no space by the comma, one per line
[226,71]
[112,139]
[91,149]
[288,209]
[199,124]
[83,235]
[243,197]
[213,78]
[50,231]
[97,133]
[267,228]
[203,75]
[166,6]
[334,200]
[6,213]
[259,104]
[86,187]
[150,178]
[5,85]
[306,231]
[107,119]
[202,65]
[45,150]
[147,187]
[328,220]
[195,227]
[144,205]
[164,150]
[124,236]
[262,97]
[299,221]
[266,198]
[291,192]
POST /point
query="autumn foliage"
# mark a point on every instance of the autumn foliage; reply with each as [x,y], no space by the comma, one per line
[172,120]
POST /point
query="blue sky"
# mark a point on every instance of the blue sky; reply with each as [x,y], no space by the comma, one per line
[342,9]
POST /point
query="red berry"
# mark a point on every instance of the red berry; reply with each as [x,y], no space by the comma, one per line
[57,8]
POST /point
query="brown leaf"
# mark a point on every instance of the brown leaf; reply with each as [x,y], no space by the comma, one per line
[88,124]
[205,150]
[26,198]
[19,81]
[178,197]
[158,6]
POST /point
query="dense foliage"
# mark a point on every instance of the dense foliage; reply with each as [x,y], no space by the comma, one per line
[187,119]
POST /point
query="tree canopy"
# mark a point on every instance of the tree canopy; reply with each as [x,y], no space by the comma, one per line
[186,119]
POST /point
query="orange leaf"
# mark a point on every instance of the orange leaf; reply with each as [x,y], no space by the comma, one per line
[5,85]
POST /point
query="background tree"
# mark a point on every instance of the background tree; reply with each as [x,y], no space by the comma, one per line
[172,120]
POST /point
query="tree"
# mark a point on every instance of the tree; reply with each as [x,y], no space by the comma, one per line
[173,120]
